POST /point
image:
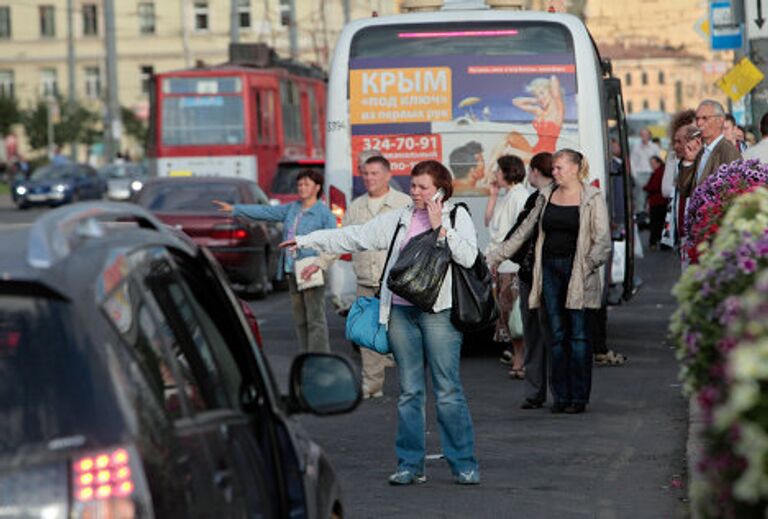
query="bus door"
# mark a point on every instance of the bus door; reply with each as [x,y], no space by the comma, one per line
[265,133]
[620,191]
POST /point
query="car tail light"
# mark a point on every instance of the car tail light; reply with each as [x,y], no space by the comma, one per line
[228,232]
[338,204]
[253,323]
[103,475]
[104,484]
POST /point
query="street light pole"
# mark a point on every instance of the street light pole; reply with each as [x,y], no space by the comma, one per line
[112,131]
[234,22]
[293,29]
[71,81]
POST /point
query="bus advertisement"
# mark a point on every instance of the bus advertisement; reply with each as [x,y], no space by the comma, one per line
[465,87]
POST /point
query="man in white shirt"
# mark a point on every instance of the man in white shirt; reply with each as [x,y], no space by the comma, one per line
[760,150]
[640,160]
[380,198]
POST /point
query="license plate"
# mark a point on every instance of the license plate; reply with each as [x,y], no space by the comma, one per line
[36,197]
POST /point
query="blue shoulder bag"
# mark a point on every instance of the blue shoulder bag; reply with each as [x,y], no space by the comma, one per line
[362,326]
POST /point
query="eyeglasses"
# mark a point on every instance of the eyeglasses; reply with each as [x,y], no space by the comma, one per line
[706,117]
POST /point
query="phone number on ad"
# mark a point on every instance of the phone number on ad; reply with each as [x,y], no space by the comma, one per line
[387,144]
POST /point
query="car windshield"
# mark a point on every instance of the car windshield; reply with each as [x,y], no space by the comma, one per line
[51,172]
[188,197]
[122,171]
[48,389]
[284,182]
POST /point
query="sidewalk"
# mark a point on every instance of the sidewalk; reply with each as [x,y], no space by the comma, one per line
[625,457]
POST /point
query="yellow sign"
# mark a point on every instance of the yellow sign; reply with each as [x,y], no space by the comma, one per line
[177,173]
[402,95]
[740,80]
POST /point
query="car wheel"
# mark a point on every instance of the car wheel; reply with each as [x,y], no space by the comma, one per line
[75,197]
[22,206]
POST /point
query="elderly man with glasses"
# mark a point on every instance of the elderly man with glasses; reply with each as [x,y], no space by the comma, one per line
[711,149]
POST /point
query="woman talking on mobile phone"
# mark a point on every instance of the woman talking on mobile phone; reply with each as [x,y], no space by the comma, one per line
[420,339]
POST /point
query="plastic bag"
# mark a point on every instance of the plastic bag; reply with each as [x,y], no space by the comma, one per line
[418,273]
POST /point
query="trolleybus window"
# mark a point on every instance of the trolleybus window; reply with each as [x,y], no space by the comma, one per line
[461,93]
[196,120]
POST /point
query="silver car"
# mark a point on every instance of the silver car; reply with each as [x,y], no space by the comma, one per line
[123,180]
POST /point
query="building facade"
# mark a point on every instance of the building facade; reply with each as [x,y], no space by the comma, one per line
[152,36]
[659,51]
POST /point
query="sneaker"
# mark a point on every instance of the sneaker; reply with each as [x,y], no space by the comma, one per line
[507,357]
[377,394]
[406,477]
[575,409]
[468,477]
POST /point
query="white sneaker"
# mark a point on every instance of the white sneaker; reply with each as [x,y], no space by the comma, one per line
[377,394]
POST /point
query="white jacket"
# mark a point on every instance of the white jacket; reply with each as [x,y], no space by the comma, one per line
[377,235]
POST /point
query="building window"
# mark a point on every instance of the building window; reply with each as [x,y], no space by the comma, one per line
[147,71]
[244,13]
[661,77]
[6,83]
[646,106]
[47,21]
[629,107]
[628,79]
[147,18]
[48,82]
[201,16]
[5,23]
[662,105]
[285,12]
[644,78]
[92,82]
[90,20]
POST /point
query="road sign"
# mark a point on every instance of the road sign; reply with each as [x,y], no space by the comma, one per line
[740,80]
[757,24]
[702,27]
[726,33]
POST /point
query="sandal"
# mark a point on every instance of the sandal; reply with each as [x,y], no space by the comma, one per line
[507,357]
[518,374]
[610,359]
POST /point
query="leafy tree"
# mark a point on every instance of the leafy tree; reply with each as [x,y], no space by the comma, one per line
[133,126]
[77,124]
[9,114]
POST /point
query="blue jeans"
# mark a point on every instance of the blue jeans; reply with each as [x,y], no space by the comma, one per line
[571,352]
[418,340]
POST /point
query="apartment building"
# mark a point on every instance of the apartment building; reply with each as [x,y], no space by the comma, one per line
[152,36]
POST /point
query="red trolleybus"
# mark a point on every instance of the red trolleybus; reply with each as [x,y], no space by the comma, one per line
[257,117]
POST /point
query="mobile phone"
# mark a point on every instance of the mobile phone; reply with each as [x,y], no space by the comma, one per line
[439,195]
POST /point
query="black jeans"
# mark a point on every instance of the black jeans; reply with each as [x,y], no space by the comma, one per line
[571,353]
[658,215]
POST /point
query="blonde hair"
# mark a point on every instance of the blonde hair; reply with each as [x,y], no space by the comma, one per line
[575,157]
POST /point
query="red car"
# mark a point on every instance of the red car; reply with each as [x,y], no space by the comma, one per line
[246,249]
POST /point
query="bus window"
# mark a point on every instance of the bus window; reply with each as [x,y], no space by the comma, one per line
[192,120]
[291,109]
[464,93]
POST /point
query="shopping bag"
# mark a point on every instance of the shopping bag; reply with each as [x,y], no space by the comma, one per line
[418,273]
[363,328]
[316,280]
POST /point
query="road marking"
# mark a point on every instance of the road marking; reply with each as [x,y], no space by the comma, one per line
[15,225]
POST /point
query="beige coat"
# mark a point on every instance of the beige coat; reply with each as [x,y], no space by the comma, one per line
[593,248]
[369,264]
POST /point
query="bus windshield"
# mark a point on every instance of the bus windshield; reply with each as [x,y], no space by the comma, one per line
[192,120]
[464,93]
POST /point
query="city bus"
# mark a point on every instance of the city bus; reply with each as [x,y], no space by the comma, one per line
[465,86]
[257,117]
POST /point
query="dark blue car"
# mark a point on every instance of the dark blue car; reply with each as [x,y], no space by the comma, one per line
[57,184]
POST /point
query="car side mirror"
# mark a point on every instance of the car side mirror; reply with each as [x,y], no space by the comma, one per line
[323,384]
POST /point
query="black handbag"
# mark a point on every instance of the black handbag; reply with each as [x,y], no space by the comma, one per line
[418,273]
[474,307]
[525,256]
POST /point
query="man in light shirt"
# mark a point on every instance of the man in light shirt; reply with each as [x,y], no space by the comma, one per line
[760,150]
[640,160]
[379,198]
